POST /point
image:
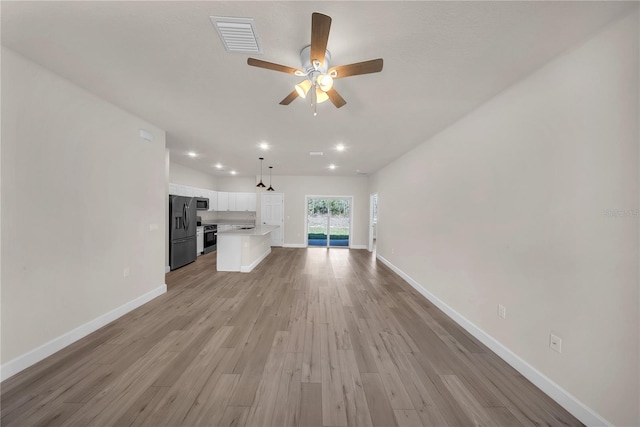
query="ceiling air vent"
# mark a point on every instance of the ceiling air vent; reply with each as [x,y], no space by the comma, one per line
[316,153]
[238,35]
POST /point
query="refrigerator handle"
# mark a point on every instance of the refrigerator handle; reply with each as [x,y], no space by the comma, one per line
[184,216]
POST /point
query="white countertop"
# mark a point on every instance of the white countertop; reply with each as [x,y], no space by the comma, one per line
[259,230]
[228,222]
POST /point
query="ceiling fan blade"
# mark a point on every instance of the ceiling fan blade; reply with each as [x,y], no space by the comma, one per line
[335,98]
[293,95]
[270,66]
[366,67]
[320,26]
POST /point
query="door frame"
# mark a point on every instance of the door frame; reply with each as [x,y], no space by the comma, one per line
[306,219]
[262,195]
[372,196]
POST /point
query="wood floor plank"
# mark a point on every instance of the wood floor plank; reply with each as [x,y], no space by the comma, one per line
[333,404]
[407,418]
[286,411]
[476,413]
[393,385]
[310,337]
[356,408]
[138,410]
[57,417]
[113,401]
[311,405]
[379,406]
[421,394]
[234,416]
[267,391]
[311,369]
[359,345]
[210,404]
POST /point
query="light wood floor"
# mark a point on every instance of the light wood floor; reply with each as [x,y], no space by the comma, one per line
[312,337]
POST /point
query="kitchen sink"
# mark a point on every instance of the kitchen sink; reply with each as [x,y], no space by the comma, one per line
[247,228]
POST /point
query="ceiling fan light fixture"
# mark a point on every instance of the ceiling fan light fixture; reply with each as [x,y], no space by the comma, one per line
[303,88]
[321,96]
[325,82]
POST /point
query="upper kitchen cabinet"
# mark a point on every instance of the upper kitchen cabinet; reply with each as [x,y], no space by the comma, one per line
[246,202]
[233,198]
[218,200]
[213,200]
[223,201]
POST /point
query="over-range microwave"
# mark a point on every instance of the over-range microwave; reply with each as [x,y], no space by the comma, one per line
[202,204]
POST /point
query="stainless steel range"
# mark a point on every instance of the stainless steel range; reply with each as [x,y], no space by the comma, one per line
[210,238]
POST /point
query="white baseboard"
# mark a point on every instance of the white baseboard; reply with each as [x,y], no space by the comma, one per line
[294,245]
[32,357]
[247,269]
[302,245]
[565,399]
[167,269]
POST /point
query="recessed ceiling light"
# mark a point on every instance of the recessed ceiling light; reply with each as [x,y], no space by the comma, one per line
[192,154]
[332,166]
[340,147]
[233,172]
[263,146]
[218,166]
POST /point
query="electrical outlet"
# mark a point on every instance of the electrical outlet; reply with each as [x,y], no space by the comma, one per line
[126,272]
[502,311]
[393,251]
[555,342]
[153,227]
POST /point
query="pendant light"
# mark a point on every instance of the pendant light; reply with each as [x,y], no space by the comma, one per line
[260,184]
[270,187]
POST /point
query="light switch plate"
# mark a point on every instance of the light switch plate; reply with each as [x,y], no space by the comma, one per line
[555,343]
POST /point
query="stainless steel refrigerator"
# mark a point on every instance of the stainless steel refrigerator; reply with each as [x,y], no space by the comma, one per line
[182,231]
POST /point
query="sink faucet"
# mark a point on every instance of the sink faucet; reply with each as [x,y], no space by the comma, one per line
[252,215]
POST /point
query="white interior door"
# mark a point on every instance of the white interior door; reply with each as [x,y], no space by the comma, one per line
[273,214]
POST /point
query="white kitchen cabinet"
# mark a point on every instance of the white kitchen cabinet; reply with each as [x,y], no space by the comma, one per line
[213,200]
[199,240]
[251,202]
[241,202]
[181,190]
[233,198]
[245,202]
[223,201]
[218,200]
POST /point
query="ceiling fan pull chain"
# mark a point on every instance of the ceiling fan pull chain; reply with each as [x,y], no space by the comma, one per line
[315,100]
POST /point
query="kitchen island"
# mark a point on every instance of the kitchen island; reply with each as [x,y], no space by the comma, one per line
[243,249]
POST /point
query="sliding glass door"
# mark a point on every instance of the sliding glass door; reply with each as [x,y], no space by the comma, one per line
[328,221]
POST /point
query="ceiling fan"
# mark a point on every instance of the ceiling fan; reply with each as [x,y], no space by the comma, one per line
[318,74]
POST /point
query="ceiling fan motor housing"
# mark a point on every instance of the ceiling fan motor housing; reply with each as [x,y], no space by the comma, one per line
[307,65]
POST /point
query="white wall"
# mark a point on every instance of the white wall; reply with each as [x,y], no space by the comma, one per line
[295,188]
[184,175]
[511,204]
[240,184]
[80,190]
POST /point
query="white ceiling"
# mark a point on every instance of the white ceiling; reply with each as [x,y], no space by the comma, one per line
[164,62]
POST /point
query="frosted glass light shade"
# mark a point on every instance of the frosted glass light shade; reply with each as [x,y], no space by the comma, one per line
[302,88]
[321,96]
[325,81]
